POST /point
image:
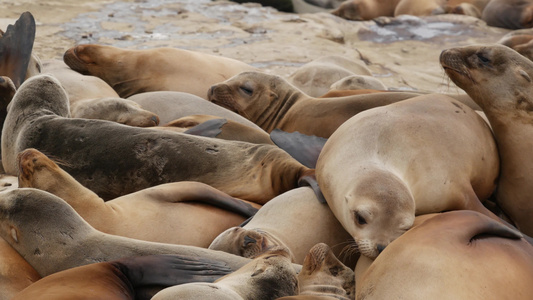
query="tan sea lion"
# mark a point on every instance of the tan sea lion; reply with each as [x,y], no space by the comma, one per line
[359,10]
[214,126]
[130,72]
[324,275]
[113,160]
[316,77]
[184,213]
[499,80]
[91,98]
[455,255]
[520,40]
[138,277]
[15,273]
[272,102]
[274,225]
[386,165]
[510,14]
[356,82]
[170,106]
[269,276]
[51,244]
[419,7]
[345,93]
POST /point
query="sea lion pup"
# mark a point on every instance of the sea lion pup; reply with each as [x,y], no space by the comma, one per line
[185,213]
[214,126]
[113,159]
[324,276]
[316,77]
[360,10]
[130,72]
[267,277]
[375,170]
[356,82]
[138,277]
[499,80]
[272,102]
[274,224]
[15,272]
[51,244]
[442,252]
[170,106]
[510,14]
[91,98]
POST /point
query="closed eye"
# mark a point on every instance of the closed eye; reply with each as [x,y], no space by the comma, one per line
[248,91]
[482,58]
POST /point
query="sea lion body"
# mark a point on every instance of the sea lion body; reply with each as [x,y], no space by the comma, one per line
[15,272]
[274,224]
[510,14]
[499,80]
[131,72]
[444,250]
[359,10]
[386,165]
[271,102]
[112,159]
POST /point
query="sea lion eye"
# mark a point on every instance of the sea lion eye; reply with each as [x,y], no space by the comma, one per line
[360,219]
[482,58]
[247,90]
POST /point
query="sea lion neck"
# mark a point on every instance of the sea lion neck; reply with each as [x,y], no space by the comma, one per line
[272,116]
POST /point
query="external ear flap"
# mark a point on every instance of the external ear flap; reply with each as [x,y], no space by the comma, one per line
[273,95]
[525,75]
[14,235]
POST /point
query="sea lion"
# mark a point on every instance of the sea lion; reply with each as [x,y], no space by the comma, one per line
[51,244]
[274,224]
[113,159]
[316,77]
[360,10]
[269,276]
[214,126]
[520,40]
[510,14]
[138,277]
[272,102]
[184,213]
[170,106]
[419,8]
[375,170]
[461,249]
[356,82]
[130,72]
[323,275]
[466,9]
[499,80]
[345,93]
[15,273]
[91,98]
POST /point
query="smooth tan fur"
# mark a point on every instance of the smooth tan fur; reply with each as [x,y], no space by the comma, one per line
[131,72]
[359,10]
[163,213]
[15,272]
[454,255]
[500,81]
[271,102]
[386,165]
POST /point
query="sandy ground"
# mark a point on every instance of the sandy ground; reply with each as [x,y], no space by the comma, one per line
[403,53]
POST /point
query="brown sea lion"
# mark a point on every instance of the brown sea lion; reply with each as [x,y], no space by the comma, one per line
[499,80]
[455,255]
[129,278]
[510,14]
[386,165]
[113,159]
[274,225]
[359,10]
[316,77]
[271,102]
[130,72]
[356,82]
[214,126]
[185,213]
[419,7]
[520,40]
[29,222]
[269,276]
[170,106]
[15,273]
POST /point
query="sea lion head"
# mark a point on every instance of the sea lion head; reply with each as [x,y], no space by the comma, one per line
[493,75]
[323,274]
[351,10]
[254,95]
[85,59]
[247,243]
[375,211]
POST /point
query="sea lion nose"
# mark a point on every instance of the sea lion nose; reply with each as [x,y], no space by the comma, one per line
[380,248]
[248,240]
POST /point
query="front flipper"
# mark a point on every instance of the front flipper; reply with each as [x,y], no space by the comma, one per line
[303,148]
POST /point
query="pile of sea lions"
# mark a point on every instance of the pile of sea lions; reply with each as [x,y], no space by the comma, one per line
[146,178]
